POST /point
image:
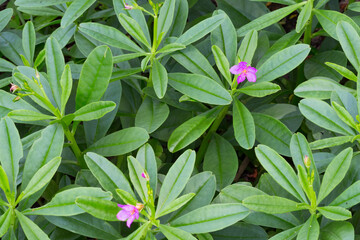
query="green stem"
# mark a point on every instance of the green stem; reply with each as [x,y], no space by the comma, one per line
[308,32]
[205,143]
[74,146]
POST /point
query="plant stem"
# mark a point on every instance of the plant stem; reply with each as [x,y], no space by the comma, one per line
[74,146]
[205,143]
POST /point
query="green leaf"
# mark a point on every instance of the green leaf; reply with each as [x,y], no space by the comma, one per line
[138,234]
[194,61]
[28,41]
[338,231]
[4,184]
[5,221]
[261,89]
[28,115]
[310,230]
[63,203]
[335,213]
[94,77]
[63,35]
[323,115]
[330,142]
[109,35]
[169,48]
[126,197]
[66,82]
[94,110]
[41,178]
[5,16]
[329,20]
[133,28]
[319,88]
[86,225]
[99,208]
[139,183]
[272,132]
[280,170]
[343,114]
[120,142]
[39,3]
[11,150]
[348,198]
[200,30]
[267,19]
[75,10]
[126,57]
[304,16]
[175,233]
[350,42]
[31,230]
[282,62]
[176,204]
[248,46]
[109,176]
[191,130]
[271,204]
[303,179]
[55,65]
[287,234]
[225,37]
[221,159]
[40,11]
[176,180]
[166,16]
[211,218]
[335,172]
[159,77]
[151,114]
[200,88]
[222,63]
[343,71]
[355,6]
[6,66]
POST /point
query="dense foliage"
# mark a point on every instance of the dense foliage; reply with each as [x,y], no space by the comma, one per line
[179,119]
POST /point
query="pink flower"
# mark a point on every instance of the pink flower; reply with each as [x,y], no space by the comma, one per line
[129,213]
[14,88]
[146,176]
[128,7]
[245,71]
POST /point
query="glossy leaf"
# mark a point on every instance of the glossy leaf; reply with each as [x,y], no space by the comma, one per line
[94,110]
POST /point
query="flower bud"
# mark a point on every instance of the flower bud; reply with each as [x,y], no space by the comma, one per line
[14,88]
[128,7]
[146,176]
[139,206]
[307,161]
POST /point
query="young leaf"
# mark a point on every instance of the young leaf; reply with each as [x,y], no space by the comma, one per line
[31,230]
[191,130]
[280,170]
[5,221]
[159,77]
[139,183]
[222,63]
[41,178]
[335,172]
[335,213]
[248,46]
[343,71]
[310,230]
[99,208]
[304,16]
[94,77]
[28,115]
[344,115]
[94,110]
[176,204]
[133,28]
[147,159]
[120,142]
[126,57]
[66,82]
[330,142]
[28,41]
[166,16]
[211,218]
[176,180]
[75,10]
[4,183]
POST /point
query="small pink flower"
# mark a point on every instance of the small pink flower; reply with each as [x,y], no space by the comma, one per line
[245,71]
[307,161]
[129,213]
[128,7]
[146,176]
[14,88]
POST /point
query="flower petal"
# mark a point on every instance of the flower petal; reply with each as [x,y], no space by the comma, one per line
[252,69]
[235,69]
[251,77]
[123,215]
[130,220]
[127,207]
[241,78]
